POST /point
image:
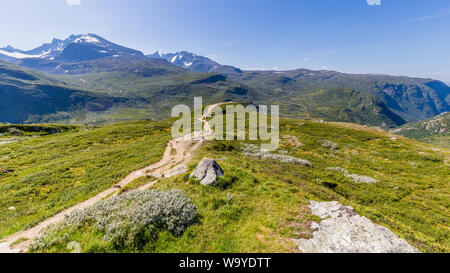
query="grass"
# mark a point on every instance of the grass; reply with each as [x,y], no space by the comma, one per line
[18,241]
[141,181]
[46,174]
[270,198]
[260,205]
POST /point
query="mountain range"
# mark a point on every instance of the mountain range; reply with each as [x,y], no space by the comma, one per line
[195,62]
[85,79]
[76,48]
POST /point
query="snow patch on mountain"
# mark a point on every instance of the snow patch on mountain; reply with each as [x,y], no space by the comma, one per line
[87,39]
[18,55]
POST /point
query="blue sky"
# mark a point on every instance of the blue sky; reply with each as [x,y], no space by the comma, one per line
[399,37]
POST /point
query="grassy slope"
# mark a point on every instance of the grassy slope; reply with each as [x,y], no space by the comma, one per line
[53,172]
[111,90]
[115,90]
[411,200]
[434,131]
[270,199]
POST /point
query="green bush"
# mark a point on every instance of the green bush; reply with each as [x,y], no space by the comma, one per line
[226,146]
[226,182]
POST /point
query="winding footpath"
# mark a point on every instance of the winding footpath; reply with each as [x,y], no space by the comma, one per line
[170,165]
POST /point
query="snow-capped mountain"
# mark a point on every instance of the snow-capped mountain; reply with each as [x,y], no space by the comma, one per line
[194,62]
[44,51]
[75,48]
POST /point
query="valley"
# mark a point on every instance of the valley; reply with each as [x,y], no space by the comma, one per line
[85,144]
[120,84]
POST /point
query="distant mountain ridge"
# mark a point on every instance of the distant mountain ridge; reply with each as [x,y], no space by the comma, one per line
[76,48]
[195,62]
[102,66]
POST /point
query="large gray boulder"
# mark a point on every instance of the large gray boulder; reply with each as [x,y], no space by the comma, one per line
[207,172]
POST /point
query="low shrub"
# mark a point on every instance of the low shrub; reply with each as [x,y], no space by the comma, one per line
[128,221]
[226,146]
[226,182]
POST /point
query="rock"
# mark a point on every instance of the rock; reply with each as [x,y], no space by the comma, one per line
[292,140]
[253,151]
[315,226]
[175,171]
[362,179]
[337,169]
[344,231]
[330,145]
[207,171]
[287,159]
[355,177]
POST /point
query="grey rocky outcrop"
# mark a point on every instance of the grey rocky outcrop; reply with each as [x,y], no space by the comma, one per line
[362,179]
[355,177]
[254,151]
[207,172]
[344,231]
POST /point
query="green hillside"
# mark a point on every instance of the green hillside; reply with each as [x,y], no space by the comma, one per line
[42,174]
[258,206]
[114,90]
[412,99]
[434,131]
[110,90]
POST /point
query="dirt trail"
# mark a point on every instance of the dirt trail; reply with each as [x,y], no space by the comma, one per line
[170,165]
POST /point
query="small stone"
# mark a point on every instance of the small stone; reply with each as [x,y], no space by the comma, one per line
[330,145]
[337,169]
[11,208]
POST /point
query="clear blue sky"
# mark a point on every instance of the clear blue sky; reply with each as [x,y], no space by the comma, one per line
[400,37]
